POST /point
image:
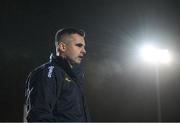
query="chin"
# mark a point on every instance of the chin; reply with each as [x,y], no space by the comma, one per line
[77,62]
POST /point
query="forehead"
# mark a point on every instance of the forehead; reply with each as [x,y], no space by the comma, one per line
[76,38]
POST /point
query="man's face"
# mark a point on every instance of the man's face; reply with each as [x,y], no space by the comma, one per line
[75,50]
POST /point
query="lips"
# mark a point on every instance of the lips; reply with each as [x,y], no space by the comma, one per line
[81,57]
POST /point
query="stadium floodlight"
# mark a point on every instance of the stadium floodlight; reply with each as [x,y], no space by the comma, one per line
[155,55]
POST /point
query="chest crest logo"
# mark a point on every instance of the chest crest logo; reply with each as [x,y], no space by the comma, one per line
[67,78]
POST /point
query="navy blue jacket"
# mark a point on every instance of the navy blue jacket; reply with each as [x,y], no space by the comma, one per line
[54,93]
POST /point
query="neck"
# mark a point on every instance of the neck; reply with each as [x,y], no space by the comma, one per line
[64,57]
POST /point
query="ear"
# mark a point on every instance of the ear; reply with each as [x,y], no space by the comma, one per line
[61,47]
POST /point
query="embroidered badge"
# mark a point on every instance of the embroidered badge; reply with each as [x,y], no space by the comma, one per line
[67,78]
[50,71]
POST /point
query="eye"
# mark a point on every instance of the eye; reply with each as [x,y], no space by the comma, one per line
[79,45]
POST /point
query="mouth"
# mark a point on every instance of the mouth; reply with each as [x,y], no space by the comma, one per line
[81,57]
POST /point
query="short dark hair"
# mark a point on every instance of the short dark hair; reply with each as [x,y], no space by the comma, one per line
[67,31]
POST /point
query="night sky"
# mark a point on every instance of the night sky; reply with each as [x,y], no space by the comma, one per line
[119,86]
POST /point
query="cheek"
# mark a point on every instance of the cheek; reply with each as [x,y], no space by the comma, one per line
[72,52]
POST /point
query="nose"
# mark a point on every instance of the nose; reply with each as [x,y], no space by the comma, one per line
[83,51]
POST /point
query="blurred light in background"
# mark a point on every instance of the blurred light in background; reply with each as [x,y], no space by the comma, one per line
[151,54]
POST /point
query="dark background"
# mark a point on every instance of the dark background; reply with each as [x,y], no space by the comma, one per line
[119,86]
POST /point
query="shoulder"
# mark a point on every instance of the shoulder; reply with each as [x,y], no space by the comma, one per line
[44,75]
[46,70]
[40,69]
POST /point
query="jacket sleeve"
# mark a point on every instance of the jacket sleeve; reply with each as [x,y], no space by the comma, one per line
[41,95]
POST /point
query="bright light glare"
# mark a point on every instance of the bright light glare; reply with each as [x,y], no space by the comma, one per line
[154,55]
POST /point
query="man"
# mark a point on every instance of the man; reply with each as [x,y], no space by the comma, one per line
[54,90]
